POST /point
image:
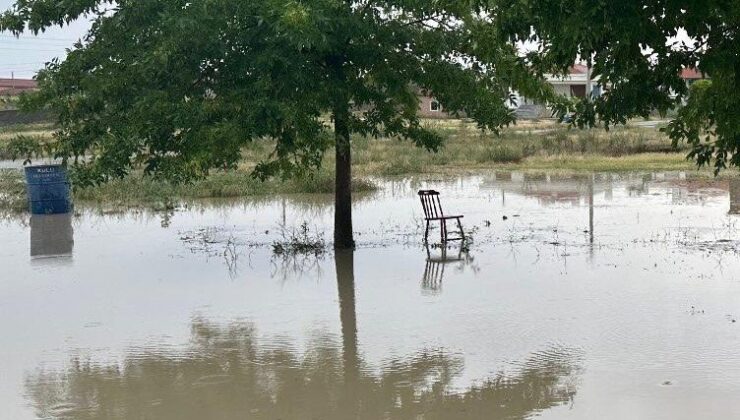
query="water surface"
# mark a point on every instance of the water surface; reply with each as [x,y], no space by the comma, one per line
[604,296]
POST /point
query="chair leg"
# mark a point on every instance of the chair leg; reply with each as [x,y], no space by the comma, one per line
[462,232]
[443,230]
[426,233]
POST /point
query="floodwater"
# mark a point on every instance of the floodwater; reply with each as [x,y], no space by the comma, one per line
[600,296]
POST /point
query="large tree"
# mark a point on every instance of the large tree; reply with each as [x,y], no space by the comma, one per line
[179,86]
[637,50]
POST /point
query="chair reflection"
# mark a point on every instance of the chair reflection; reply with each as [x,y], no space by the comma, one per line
[52,236]
[435,267]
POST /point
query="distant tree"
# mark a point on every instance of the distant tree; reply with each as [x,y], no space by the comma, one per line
[638,49]
[179,86]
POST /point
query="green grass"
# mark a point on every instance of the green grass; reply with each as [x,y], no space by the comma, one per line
[140,191]
[24,140]
[600,163]
[136,189]
[37,128]
[530,146]
[500,153]
[526,144]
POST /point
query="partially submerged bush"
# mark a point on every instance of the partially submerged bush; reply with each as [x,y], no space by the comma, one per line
[323,182]
[500,153]
[12,191]
[300,242]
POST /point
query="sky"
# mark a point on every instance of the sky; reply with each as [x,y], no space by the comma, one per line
[24,56]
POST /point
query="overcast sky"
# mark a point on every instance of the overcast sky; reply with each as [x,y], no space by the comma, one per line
[26,55]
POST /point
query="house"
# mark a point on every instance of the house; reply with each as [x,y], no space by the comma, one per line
[14,87]
[429,107]
[691,75]
[576,83]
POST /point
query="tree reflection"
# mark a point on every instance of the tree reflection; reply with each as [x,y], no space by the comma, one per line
[229,371]
[735,196]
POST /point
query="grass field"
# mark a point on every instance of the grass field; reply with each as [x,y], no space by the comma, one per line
[529,145]
[139,191]
[20,141]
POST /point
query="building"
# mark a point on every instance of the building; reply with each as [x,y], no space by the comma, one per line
[14,87]
[691,75]
[576,83]
[429,107]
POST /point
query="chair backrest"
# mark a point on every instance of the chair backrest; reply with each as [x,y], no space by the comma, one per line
[431,204]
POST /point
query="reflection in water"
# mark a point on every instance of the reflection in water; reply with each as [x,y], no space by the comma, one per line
[231,372]
[345,269]
[558,189]
[228,373]
[434,271]
[591,212]
[735,196]
[52,235]
[438,258]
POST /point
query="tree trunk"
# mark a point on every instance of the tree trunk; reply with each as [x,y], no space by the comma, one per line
[343,187]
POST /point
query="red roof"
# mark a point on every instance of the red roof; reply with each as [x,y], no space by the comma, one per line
[18,84]
[687,73]
[691,73]
[578,69]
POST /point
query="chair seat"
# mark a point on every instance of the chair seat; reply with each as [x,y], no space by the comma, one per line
[444,217]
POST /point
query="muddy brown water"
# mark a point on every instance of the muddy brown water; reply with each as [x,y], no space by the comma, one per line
[604,296]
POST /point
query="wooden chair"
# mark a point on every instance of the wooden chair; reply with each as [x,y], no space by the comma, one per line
[433,212]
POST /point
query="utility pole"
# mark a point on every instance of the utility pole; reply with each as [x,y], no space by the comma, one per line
[591,210]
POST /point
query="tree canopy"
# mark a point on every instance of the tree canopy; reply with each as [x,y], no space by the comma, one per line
[638,50]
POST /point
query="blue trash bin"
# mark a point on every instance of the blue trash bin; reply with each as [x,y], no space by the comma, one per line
[48,189]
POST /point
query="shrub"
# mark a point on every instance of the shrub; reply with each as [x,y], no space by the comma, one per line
[500,154]
[299,242]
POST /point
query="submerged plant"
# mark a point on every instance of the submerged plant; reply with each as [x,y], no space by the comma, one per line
[300,242]
[13,196]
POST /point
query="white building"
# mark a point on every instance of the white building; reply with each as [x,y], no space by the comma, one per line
[577,83]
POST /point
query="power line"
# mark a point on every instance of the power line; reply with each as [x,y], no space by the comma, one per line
[33,49]
[34,38]
[18,74]
[23,64]
[28,42]
[20,68]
